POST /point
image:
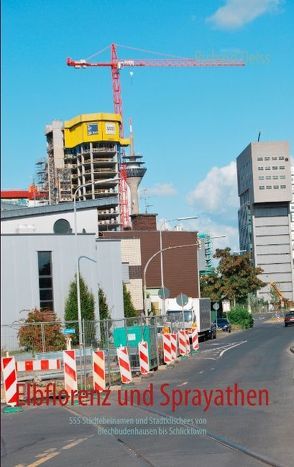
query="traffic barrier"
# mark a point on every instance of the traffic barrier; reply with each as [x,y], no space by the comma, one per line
[99,382]
[195,341]
[167,356]
[188,342]
[143,358]
[174,346]
[182,343]
[70,370]
[10,380]
[124,365]
[39,365]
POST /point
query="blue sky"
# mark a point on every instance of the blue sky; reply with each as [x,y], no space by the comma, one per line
[189,123]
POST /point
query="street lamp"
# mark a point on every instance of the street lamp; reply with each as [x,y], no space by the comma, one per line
[154,256]
[97,182]
[161,250]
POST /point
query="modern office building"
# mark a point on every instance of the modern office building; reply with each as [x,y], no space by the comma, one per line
[292,214]
[205,254]
[264,189]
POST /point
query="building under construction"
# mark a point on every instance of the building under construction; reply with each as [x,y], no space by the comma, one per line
[85,155]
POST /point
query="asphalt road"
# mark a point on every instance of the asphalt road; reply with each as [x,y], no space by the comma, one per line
[222,435]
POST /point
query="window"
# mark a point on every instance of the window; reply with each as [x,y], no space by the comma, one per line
[261,178]
[281,158]
[274,158]
[282,177]
[260,168]
[276,187]
[283,186]
[268,177]
[45,280]
[267,167]
[260,158]
[268,187]
[275,167]
[282,167]
[61,226]
[267,158]
[261,187]
[275,177]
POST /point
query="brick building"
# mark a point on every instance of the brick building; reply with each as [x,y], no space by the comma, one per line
[179,265]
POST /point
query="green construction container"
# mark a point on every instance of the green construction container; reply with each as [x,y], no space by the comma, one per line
[131,336]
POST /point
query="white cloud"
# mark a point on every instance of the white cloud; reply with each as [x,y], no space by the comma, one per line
[236,13]
[217,193]
[159,189]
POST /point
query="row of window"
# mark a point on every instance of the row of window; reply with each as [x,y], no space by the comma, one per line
[274,158]
[274,167]
[269,187]
[274,177]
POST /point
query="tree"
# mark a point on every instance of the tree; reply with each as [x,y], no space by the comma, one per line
[103,306]
[235,277]
[129,309]
[87,308]
[40,337]
[105,325]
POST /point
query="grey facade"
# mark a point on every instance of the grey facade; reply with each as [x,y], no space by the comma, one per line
[100,265]
[264,189]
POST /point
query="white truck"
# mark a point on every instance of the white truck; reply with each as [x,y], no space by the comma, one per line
[197,312]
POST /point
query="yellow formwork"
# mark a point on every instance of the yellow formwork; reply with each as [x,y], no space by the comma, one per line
[97,127]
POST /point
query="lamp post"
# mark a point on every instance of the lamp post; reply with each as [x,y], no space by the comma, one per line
[77,252]
[154,256]
[161,250]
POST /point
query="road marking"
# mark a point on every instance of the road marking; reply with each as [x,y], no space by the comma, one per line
[182,384]
[44,459]
[232,347]
[75,443]
[50,455]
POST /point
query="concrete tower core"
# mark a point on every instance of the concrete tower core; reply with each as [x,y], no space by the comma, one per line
[135,173]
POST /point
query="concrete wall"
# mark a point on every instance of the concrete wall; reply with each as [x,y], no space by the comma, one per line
[110,275]
[42,224]
[272,248]
[20,279]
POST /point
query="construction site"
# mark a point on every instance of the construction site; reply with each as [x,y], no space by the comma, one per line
[89,157]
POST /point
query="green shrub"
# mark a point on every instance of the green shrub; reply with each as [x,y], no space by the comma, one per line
[240,316]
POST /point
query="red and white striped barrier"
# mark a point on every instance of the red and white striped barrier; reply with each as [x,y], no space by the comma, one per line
[167,355]
[70,370]
[182,343]
[10,381]
[38,365]
[195,341]
[99,382]
[188,342]
[144,358]
[124,365]
[174,346]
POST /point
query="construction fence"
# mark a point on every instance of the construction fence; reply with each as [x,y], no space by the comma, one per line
[47,340]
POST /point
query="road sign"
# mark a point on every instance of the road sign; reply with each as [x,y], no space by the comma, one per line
[69,331]
[215,306]
[182,299]
[164,293]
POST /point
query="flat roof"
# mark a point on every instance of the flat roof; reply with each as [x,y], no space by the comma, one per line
[53,208]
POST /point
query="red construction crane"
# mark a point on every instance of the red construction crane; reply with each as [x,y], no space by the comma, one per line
[116,64]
